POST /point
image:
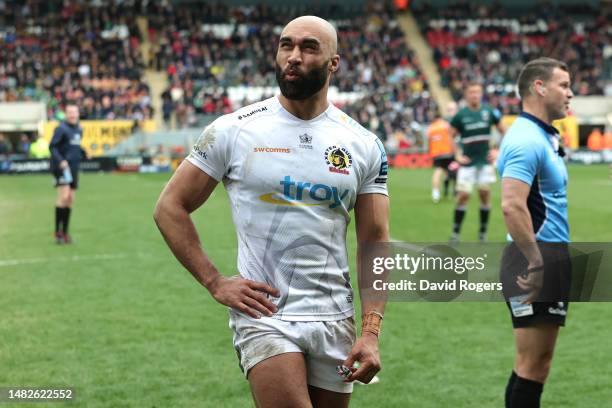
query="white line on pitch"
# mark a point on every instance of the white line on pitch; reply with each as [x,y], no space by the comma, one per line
[74,258]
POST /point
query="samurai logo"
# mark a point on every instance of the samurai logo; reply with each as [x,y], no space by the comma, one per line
[205,141]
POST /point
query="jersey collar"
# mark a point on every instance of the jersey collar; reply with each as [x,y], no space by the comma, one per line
[289,115]
[551,130]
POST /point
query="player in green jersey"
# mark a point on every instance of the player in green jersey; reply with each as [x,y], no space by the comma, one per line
[472,126]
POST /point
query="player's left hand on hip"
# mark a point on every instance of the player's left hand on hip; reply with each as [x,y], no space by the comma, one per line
[365,351]
[532,282]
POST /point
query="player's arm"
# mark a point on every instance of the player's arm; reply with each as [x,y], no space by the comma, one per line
[494,148]
[186,191]
[501,129]
[493,152]
[497,118]
[455,132]
[459,157]
[520,226]
[372,227]
[56,141]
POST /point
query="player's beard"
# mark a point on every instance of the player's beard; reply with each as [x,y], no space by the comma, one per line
[306,85]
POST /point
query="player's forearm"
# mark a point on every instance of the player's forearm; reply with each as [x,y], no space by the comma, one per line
[371,300]
[180,234]
[520,227]
[55,154]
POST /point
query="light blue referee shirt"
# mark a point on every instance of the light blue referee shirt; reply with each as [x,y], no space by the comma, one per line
[530,153]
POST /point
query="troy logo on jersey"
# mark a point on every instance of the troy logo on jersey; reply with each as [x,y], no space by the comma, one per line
[295,193]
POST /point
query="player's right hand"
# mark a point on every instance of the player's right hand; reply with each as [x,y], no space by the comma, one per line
[244,295]
[531,282]
[63,164]
[463,160]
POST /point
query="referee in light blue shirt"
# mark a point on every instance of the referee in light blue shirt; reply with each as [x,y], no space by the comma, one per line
[534,204]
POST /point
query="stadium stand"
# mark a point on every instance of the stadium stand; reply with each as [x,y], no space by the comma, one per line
[207,49]
[82,51]
[213,58]
[490,43]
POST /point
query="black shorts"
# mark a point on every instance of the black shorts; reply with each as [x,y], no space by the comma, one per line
[442,162]
[58,174]
[552,303]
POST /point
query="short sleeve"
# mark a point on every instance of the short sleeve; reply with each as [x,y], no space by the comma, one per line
[520,161]
[211,151]
[456,122]
[376,177]
[495,116]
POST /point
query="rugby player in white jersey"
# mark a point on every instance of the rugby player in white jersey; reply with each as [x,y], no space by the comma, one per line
[293,167]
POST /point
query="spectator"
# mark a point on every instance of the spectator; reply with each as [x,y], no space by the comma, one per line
[5,145]
[24,145]
[595,141]
[55,55]
[489,44]
[39,149]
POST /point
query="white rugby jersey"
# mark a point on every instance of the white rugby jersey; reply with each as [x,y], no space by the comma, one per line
[291,184]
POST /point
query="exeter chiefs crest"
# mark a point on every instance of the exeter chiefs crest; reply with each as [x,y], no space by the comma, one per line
[339,159]
[205,141]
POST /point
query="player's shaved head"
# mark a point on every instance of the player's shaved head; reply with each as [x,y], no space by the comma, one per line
[306,57]
[316,28]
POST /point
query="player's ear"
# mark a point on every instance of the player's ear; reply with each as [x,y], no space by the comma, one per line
[539,87]
[334,63]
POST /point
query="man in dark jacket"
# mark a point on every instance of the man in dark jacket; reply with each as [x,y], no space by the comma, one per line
[66,153]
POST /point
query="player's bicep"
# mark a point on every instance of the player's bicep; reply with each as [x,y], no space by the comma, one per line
[372,218]
[521,162]
[189,187]
[514,192]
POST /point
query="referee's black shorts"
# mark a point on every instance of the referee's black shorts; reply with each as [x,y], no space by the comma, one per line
[58,174]
[442,161]
[552,303]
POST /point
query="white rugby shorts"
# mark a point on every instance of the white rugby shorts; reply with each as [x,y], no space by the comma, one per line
[469,176]
[325,345]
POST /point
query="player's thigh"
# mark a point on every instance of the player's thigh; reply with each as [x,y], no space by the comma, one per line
[484,194]
[328,399]
[63,192]
[328,347]
[536,343]
[437,173]
[485,176]
[280,381]
[466,178]
[68,197]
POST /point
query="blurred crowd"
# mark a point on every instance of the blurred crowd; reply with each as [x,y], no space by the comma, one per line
[486,43]
[85,51]
[206,49]
[90,52]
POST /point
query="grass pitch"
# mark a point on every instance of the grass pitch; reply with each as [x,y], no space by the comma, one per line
[117,318]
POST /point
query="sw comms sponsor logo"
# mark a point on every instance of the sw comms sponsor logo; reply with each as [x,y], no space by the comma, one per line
[338,159]
[301,193]
[271,150]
